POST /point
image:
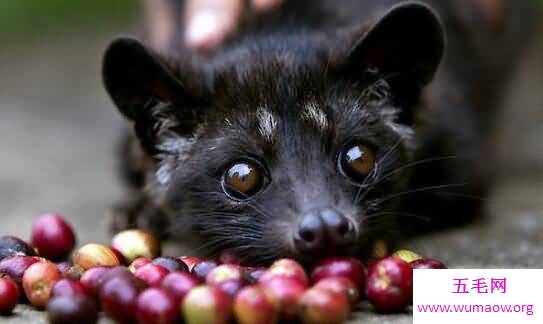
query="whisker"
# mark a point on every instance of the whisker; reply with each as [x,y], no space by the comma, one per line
[386,77]
[403,167]
[467,196]
[381,160]
[393,213]
[251,204]
[416,163]
[422,189]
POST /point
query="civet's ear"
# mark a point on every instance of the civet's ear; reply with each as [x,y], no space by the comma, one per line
[146,92]
[405,45]
[133,77]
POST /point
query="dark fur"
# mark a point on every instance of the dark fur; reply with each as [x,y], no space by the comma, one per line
[193,116]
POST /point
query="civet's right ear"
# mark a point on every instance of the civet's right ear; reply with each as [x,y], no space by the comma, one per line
[145,92]
[133,77]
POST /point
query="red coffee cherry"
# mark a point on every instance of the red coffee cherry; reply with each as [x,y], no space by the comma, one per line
[152,274]
[324,306]
[253,305]
[72,309]
[9,295]
[390,285]
[206,304]
[349,268]
[38,282]
[178,284]
[427,264]
[156,306]
[53,237]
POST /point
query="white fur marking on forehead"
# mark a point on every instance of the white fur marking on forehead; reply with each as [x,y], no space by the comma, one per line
[175,144]
[267,124]
[314,114]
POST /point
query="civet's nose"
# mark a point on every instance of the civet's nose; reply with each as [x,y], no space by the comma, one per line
[323,230]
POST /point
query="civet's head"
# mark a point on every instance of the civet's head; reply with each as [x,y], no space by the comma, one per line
[287,146]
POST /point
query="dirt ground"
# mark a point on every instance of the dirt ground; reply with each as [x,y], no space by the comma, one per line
[58,130]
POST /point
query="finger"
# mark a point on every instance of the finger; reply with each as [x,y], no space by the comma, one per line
[265,5]
[209,22]
[159,22]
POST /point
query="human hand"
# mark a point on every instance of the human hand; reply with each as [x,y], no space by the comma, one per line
[209,22]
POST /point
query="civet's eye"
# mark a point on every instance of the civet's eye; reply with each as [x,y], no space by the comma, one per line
[356,161]
[243,179]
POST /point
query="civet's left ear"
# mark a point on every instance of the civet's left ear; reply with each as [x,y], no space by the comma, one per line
[405,45]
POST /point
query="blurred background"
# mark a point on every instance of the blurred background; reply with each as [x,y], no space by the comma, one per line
[58,131]
[58,128]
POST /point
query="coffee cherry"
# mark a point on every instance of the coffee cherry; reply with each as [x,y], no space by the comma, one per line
[95,255]
[38,281]
[406,255]
[231,287]
[72,309]
[156,306]
[118,297]
[75,272]
[349,268]
[136,243]
[286,268]
[90,279]
[64,267]
[172,264]
[9,295]
[286,292]
[115,272]
[119,272]
[201,269]
[286,262]
[69,270]
[323,306]
[341,285]
[13,246]
[189,261]
[15,267]
[253,306]
[68,287]
[227,277]
[390,285]
[223,273]
[427,264]
[178,284]
[152,274]
[120,256]
[52,237]
[206,305]
[253,275]
[138,263]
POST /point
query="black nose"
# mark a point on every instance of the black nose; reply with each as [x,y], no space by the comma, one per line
[323,230]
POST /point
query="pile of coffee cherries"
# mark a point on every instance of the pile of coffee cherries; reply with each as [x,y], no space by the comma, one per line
[130,282]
